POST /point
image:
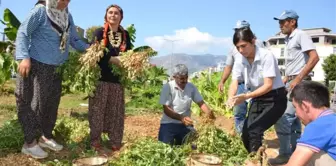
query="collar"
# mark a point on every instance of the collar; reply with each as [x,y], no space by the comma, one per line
[177,87]
[326,112]
[292,34]
[256,56]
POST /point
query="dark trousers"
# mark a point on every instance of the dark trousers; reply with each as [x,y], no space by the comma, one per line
[173,133]
[263,113]
[37,100]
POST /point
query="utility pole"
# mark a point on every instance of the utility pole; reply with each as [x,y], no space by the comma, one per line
[171,57]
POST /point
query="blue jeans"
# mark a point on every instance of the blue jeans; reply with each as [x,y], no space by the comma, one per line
[288,129]
[240,111]
[173,133]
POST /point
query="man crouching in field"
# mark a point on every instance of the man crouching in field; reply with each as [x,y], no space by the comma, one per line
[176,98]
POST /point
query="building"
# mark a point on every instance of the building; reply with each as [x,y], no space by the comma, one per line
[220,66]
[323,39]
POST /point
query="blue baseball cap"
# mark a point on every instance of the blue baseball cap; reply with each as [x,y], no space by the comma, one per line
[242,24]
[287,14]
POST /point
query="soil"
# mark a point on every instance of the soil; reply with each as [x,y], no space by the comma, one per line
[135,127]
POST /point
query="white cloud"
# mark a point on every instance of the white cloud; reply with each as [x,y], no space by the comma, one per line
[189,40]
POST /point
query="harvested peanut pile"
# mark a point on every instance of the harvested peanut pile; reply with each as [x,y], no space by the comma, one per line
[133,64]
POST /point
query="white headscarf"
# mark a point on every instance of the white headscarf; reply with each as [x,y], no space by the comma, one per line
[59,17]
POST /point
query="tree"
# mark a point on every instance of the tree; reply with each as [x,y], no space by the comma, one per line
[329,67]
[89,33]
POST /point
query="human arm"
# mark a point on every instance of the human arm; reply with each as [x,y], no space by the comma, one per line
[227,69]
[300,157]
[268,68]
[75,41]
[312,143]
[166,101]
[226,73]
[26,29]
[198,99]
[308,47]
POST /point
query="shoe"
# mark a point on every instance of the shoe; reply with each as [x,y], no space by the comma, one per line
[100,149]
[51,144]
[116,148]
[36,152]
[280,159]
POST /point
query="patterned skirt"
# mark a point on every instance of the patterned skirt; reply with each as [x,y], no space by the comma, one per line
[107,113]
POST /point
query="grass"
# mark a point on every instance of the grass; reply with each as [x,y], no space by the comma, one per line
[71,128]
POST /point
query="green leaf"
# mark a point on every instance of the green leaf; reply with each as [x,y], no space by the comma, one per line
[10,18]
[12,23]
[2,61]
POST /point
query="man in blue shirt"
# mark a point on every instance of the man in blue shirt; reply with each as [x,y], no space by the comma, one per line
[317,145]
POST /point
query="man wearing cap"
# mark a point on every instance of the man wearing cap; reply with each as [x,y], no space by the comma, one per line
[241,109]
[300,59]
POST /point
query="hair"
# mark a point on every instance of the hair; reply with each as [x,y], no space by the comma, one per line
[296,23]
[106,27]
[180,69]
[40,2]
[116,6]
[313,92]
[244,34]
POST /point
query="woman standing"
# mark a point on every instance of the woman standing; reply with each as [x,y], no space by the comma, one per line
[259,70]
[107,107]
[42,44]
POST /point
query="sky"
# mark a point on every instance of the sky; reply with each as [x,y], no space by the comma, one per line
[197,27]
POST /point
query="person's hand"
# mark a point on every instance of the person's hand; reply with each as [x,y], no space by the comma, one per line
[285,80]
[187,121]
[24,67]
[220,87]
[239,99]
[115,60]
[293,83]
[250,163]
[235,100]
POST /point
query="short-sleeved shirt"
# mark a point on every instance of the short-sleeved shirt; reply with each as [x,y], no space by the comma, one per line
[234,53]
[320,134]
[179,100]
[295,51]
[264,66]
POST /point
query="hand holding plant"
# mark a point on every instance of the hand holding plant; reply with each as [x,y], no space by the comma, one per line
[187,121]
[235,100]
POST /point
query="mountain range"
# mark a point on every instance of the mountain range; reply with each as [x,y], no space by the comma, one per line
[194,62]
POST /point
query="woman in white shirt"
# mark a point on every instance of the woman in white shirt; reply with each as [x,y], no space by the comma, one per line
[263,85]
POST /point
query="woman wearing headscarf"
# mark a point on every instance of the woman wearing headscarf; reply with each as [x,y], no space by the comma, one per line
[107,107]
[42,44]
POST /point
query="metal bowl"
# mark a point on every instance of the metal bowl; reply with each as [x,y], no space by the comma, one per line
[90,161]
[204,160]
